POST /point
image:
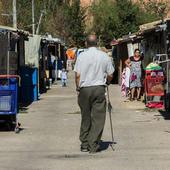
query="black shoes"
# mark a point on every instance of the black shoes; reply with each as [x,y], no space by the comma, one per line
[84,149]
[91,150]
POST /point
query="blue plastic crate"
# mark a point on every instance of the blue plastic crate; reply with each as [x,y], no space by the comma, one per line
[35,92]
[8,84]
[5,103]
[8,96]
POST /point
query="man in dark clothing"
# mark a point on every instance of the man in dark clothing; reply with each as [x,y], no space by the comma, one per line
[92,69]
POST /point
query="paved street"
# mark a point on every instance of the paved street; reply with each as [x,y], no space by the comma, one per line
[49,139]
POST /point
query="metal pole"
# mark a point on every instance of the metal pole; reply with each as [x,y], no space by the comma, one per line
[33,20]
[110,117]
[8,66]
[110,114]
[14,14]
[167,72]
[38,27]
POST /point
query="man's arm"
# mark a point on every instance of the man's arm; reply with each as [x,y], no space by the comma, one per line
[109,79]
[77,81]
[77,74]
[110,71]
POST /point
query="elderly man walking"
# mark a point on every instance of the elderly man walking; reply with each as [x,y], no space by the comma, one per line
[93,69]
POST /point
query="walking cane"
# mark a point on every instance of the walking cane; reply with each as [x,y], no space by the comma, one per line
[110,108]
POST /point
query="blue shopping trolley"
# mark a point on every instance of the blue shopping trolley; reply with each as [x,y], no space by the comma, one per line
[9,100]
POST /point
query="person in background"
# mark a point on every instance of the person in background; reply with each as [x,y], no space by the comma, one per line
[93,69]
[64,77]
[52,66]
[135,65]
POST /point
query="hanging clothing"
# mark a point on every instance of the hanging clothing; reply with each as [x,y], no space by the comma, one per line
[125,82]
[127,77]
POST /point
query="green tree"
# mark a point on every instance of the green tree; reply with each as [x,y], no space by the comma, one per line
[113,19]
[24,13]
[105,20]
[55,23]
[68,23]
[75,19]
[128,17]
[158,9]
[63,18]
[5,8]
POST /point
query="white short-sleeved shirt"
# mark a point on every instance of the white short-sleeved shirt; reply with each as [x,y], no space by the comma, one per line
[93,66]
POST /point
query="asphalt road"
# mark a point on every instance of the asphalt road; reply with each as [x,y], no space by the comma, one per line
[50,131]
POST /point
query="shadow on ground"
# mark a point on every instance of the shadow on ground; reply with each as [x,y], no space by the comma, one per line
[6,127]
[165,114]
[104,145]
[23,109]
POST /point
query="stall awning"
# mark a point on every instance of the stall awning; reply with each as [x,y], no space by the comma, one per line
[152,26]
[6,28]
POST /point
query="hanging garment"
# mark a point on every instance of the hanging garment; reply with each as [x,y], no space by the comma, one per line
[127,77]
[123,84]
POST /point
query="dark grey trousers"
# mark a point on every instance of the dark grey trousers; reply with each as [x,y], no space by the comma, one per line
[92,102]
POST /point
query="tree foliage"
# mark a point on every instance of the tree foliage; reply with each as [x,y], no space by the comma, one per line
[5,13]
[127,17]
[105,19]
[68,22]
[158,9]
[113,19]
[66,19]
[61,18]
[75,19]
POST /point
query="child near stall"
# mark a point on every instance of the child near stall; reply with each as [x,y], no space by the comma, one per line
[64,77]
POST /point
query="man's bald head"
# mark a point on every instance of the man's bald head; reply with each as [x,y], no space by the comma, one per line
[91,40]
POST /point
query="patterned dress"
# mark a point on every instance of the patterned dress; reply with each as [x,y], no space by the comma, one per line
[135,72]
